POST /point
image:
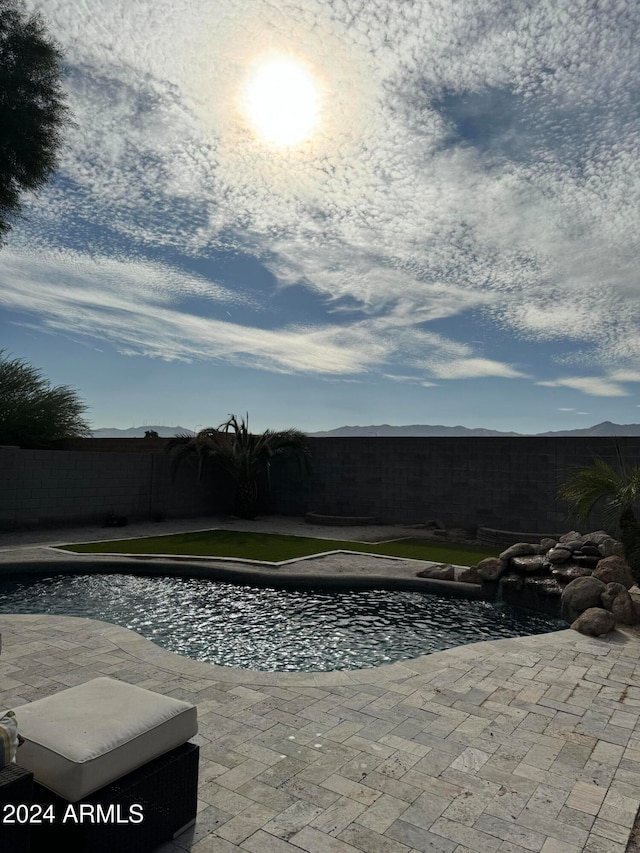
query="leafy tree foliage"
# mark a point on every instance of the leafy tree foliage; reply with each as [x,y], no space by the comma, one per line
[33,111]
[617,491]
[32,413]
[231,448]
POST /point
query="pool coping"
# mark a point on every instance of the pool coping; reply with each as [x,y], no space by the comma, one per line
[245,574]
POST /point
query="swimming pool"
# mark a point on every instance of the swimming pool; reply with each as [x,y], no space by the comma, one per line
[261,628]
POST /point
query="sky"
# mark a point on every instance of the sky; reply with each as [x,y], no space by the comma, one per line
[339,212]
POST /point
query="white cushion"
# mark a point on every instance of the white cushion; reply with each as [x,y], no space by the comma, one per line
[83,738]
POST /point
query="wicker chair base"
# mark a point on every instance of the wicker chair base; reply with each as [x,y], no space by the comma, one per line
[163,793]
[16,789]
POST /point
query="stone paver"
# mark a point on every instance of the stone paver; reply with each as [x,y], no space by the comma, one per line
[527,744]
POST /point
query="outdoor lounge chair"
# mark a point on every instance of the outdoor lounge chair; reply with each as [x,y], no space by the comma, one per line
[112,769]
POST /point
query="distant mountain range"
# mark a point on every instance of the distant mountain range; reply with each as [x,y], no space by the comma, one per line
[138,432]
[606,428]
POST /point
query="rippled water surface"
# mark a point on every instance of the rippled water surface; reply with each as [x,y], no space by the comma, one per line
[274,629]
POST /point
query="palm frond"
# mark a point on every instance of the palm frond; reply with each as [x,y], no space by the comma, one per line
[232,448]
[601,485]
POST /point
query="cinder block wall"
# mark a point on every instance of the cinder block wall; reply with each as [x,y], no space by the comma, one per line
[53,487]
[504,483]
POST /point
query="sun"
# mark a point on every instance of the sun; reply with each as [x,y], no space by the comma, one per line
[281,101]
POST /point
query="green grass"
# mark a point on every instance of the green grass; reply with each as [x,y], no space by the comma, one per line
[273,547]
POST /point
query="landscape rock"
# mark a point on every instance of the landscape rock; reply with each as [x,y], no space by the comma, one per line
[607,546]
[594,622]
[580,595]
[589,551]
[491,568]
[586,560]
[545,586]
[558,555]
[554,567]
[569,571]
[519,549]
[442,572]
[610,592]
[599,537]
[573,544]
[528,563]
[571,536]
[469,575]
[614,570]
[617,600]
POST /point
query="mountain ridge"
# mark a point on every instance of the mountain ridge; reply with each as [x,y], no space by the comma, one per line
[606,428]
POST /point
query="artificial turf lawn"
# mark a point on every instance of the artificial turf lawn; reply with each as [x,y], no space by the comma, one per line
[274,547]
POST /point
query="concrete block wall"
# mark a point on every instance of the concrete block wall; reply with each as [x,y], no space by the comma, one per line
[43,488]
[505,483]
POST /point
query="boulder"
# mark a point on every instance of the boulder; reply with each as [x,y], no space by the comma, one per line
[469,575]
[569,571]
[586,560]
[580,595]
[609,594]
[558,555]
[599,536]
[594,622]
[491,568]
[617,600]
[589,551]
[614,570]
[573,544]
[519,549]
[528,563]
[570,537]
[607,546]
[548,543]
[545,586]
[442,572]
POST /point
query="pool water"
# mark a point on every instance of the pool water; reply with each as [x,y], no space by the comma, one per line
[274,629]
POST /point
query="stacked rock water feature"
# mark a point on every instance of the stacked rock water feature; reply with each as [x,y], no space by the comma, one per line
[586,574]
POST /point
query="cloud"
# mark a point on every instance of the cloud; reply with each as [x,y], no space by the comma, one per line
[594,385]
[416,380]
[471,159]
[473,368]
[130,306]
[626,375]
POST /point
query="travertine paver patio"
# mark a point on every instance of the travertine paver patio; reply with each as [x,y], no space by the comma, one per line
[528,744]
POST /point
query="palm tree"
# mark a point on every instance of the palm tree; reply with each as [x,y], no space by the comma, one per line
[618,490]
[231,448]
